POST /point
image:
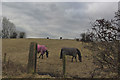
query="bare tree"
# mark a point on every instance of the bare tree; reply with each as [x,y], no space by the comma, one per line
[106,51]
[8,28]
[116,22]
[104,30]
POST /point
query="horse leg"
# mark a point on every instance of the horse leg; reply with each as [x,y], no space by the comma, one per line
[72,59]
[40,55]
[75,58]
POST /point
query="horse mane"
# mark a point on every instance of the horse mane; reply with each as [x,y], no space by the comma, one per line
[79,54]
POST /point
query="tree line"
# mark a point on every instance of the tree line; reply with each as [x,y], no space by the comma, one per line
[9,30]
[103,30]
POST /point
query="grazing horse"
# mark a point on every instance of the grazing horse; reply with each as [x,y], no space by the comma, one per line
[42,49]
[72,52]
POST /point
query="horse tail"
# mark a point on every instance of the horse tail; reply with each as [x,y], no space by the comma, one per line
[61,53]
[79,55]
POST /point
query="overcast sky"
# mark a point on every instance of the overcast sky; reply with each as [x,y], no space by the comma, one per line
[55,19]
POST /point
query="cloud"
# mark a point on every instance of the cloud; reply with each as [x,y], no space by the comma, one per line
[54,19]
[60,0]
[102,10]
[0,16]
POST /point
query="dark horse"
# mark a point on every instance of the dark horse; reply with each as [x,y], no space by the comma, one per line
[72,52]
[42,49]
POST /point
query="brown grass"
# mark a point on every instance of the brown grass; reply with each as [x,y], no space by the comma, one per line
[18,49]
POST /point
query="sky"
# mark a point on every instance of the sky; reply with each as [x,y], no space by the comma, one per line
[56,19]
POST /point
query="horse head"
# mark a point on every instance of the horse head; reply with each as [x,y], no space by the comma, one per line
[80,59]
[79,55]
[61,54]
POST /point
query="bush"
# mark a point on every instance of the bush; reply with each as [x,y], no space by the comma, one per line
[22,35]
[77,39]
[86,37]
[14,35]
[11,69]
[60,37]
[105,55]
[47,37]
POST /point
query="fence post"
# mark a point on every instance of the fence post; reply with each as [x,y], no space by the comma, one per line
[32,58]
[118,58]
[64,65]
[35,58]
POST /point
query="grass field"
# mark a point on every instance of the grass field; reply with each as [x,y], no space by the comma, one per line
[18,50]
